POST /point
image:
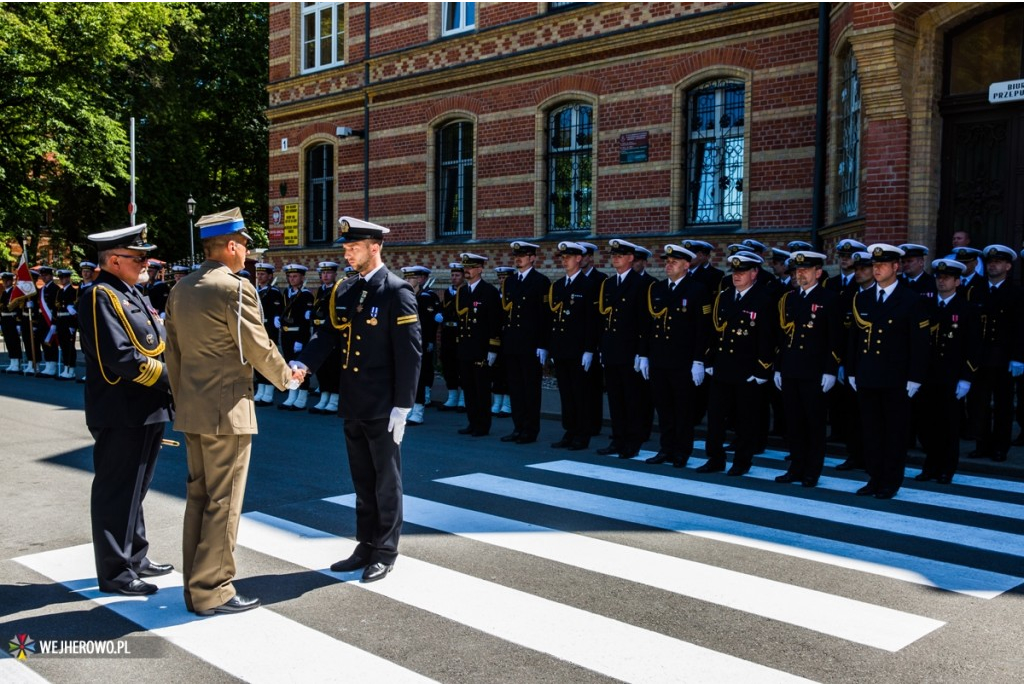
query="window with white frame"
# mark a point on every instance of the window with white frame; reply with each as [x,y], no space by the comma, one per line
[848,151]
[323,34]
[455,180]
[570,179]
[458,17]
[319,194]
[715,154]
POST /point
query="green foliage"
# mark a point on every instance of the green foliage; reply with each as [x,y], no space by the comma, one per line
[193,75]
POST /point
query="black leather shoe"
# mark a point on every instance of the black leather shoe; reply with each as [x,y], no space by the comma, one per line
[737,470]
[478,434]
[710,467]
[376,571]
[353,563]
[848,465]
[680,462]
[511,437]
[154,570]
[885,494]
[561,444]
[468,430]
[577,446]
[526,439]
[809,482]
[787,478]
[944,480]
[235,605]
[868,489]
[136,588]
[999,456]
[659,458]
[628,454]
[609,450]
[923,477]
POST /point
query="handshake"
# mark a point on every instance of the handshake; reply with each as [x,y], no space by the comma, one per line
[299,374]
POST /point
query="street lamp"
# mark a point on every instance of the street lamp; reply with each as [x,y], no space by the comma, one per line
[190,204]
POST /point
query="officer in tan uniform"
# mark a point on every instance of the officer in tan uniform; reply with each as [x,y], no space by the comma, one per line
[211,352]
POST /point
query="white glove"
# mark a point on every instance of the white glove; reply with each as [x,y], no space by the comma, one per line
[853,383]
[709,370]
[72,310]
[53,329]
[697,372]
[778,380]
[277,322]
[163,316]
[542,355]
[842,375]
[309,313]
[962,388]
[297,347]
[491,358]
[396,423]
[759,381]
[828,381]
[636,363]
[1016,369]
[19,330]
[438,318]
[588,359]
[912,388]
[644,367]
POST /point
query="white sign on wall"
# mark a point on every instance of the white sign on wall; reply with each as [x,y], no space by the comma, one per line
[1006,91]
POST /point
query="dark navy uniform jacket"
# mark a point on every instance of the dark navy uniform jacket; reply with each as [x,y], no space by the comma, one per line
[295,324]
[955,342]
[746,335]
[710,276]
[575,325]
[619,307]
[429,306]
[676,324]
[480,321]
[812,339]
[377,330]
[123,340]
[528,318]
[1002,323]
[272,304]
[888,342]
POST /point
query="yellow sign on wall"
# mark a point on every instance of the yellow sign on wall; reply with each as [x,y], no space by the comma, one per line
[291,224]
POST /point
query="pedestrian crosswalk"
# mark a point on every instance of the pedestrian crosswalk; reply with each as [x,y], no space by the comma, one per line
[683,588]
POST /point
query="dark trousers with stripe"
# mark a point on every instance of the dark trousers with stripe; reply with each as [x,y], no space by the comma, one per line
[884,414]
[524,378]
[376,465]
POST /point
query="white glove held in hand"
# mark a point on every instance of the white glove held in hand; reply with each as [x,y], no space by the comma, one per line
[396,423]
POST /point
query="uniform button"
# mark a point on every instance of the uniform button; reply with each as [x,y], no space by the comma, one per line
[355,370]
[357,353]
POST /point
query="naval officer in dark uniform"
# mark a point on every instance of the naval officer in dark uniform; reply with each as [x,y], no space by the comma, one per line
[953,360]
[296,328]
[375,328]
[428,304]
[271,306]
[810,349]
[674,330]
[327,374]
[886,362]
[478,307]
[127,407]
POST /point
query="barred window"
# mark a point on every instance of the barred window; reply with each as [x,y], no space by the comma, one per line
[570,168]
[848,152]
[458,17]
[455,180]
[323,34]
[319,194]
[715,154]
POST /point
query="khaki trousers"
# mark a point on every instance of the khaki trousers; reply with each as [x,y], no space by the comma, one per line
[217,469]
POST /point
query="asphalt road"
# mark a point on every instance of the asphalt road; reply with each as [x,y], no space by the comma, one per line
[519,564]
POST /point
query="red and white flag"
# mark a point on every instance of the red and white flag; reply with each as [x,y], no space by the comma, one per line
[26,286]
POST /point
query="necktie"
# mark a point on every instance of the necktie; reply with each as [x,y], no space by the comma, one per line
[622,279]
[803,294]
[521,279]
[942,304]
[568,282]
[881,296]
[737,296]
[671,287]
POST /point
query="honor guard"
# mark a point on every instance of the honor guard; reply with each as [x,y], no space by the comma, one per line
[799,246]
[739,361]
[525,340]
[619,302]
[478,307]
[501,401]
[28,321]
[810,349]
[296,328]
[1001,313]
[970,257]
[449,352]
[328,374]
[912,271]
[428,306]
[271,307]
[642,257]
[701,268]
[67,323]
[765,279]
[886,362]
[127,406]
[575,329]
[47,323]
[9,324]
[844,255]
[778,260]
[595,393]
[953,360]
[674,330]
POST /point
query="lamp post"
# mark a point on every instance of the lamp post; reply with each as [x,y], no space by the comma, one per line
[190,204]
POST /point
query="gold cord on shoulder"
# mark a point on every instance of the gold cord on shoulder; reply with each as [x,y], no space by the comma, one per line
[650,304]
[719,327]
[149,372]
[555,309]
[344,328]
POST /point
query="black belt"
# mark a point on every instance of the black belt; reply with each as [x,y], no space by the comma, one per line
[9,314]
[291,330]
[59,314]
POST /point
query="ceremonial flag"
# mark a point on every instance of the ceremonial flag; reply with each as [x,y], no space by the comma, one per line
[23,279]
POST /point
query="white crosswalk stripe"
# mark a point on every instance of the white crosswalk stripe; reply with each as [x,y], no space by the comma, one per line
[248,646]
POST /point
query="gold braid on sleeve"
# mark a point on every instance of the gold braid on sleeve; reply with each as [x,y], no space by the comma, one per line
[150,370]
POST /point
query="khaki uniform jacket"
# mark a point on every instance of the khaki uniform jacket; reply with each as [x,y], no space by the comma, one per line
[213,318]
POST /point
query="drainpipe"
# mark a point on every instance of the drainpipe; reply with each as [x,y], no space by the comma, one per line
[366,113]
[820,126]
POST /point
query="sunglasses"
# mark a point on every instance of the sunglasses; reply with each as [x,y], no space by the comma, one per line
[134,258]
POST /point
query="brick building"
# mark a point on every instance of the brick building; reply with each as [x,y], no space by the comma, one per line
[464,125]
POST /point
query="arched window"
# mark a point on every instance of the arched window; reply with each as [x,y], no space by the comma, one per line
[455,180]
[570,168]
[848,152]
[715,154]
[319,194]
